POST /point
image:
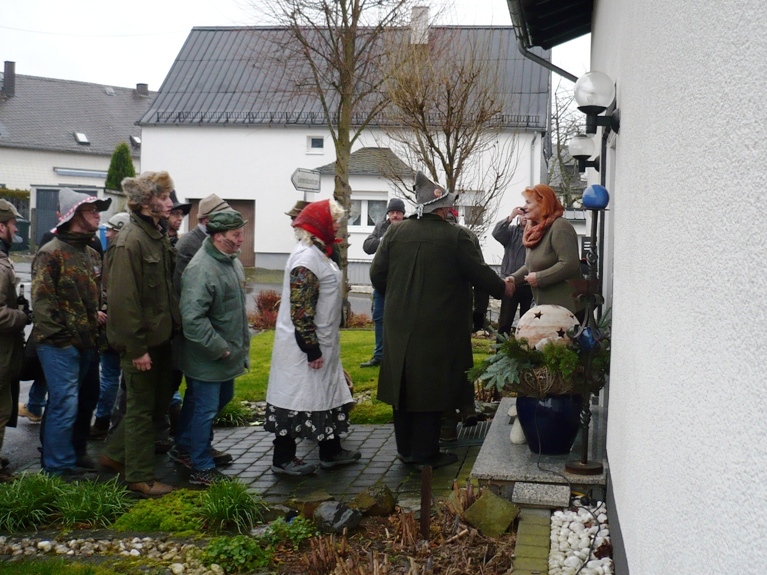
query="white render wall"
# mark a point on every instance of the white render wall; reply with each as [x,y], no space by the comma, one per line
[257,162]
[687,431]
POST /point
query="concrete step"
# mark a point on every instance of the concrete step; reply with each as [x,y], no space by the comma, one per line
[541,495]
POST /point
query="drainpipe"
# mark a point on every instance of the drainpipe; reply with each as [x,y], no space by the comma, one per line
[533,179]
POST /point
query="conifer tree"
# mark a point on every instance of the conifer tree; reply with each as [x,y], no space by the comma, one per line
[120,167]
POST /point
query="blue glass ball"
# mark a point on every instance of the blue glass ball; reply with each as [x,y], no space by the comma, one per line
[588,339]
[595,197]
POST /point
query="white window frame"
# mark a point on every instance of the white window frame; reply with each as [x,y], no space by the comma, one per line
[315,151]
[364,198]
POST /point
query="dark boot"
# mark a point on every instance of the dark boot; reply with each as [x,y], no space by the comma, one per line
[99,428]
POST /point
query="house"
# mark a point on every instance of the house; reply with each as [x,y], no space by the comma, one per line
[230,119]
[686,237]
[57,133]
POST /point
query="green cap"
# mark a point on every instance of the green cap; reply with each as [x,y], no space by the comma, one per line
[8,211]
[224,220]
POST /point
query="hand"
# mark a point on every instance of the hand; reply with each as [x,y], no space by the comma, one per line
[317,363]
[518,211]
[143,363]
[531,279]
[227,353]
[101,318]
[510,286]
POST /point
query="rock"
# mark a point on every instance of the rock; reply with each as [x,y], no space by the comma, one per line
[334,517]
[491,514]
[517,436]
[376,501]
[177,568]
[216,569]
[45,546]
[307,506]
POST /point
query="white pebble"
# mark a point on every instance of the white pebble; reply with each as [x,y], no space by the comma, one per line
[177,568]
[135,553]
[603,533]
[602,518]
[576,527]
[572,562]
[45,546]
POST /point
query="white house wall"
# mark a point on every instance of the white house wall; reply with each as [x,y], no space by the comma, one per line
[687,426]
[256,163]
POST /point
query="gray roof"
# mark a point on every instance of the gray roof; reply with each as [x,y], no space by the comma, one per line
[45,112]
[371,162]
[240,76]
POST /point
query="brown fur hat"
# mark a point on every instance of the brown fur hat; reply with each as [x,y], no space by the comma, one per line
[145,186]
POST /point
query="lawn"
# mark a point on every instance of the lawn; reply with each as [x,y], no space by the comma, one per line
[356,347]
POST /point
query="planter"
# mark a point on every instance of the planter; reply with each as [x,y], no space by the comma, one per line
[550,424]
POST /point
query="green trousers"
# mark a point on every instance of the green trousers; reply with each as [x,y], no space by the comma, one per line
[148,396]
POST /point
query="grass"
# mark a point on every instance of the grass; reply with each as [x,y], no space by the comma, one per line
[228,506]
[28,502]
[92,504]
[58,566]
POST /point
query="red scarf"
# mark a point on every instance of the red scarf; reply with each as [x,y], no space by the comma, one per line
[534,232]
[316,219]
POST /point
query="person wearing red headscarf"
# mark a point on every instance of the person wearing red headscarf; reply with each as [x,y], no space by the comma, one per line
[307,394]
[552,251]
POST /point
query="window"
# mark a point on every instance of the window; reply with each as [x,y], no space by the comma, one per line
[315,145]
[376,211]
[81,139]
[366,213]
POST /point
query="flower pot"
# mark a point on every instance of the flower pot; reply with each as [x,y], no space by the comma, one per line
[550,424]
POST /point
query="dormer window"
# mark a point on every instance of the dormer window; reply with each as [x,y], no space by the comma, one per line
[135,141]
[82,139]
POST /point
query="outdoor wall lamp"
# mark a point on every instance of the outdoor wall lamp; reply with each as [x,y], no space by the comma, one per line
[595,93]
[581,148]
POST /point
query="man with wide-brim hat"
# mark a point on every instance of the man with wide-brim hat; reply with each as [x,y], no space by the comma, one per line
[178,211]
[14,320]
[216,341]
[426,267]
[296,209]
[66,297]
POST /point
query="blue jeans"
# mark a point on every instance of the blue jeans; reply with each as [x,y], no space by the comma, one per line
[110,382]
[202,402]
[66,368]
[378,312]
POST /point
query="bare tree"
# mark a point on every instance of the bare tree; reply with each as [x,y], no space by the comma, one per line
[335,56]
[566,122]
[448,115]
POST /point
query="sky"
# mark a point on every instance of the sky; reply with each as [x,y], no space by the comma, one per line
[127,43]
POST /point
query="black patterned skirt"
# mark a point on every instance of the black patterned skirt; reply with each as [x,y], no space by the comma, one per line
[314,425]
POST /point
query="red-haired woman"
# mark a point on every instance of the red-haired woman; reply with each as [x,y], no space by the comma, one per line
[552,251]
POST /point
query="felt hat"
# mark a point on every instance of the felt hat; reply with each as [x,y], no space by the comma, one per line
[430,196]
[224,220]
[70,201]
[295,210]
[8,211]
[185,208]
[118,221]
[210,204]
[395,205]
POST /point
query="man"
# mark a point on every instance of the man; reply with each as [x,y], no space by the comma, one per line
[395,212]
[216,340]
[426,267]
[509,233]
[66,297]
[176,217]
[13,320]
[143,314]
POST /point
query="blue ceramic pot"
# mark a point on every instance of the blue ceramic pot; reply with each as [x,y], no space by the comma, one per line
[550,424]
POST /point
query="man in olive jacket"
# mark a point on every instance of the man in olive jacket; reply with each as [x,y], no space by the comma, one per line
[426,268]
[143,315]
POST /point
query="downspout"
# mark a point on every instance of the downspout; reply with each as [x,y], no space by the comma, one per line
[533,180]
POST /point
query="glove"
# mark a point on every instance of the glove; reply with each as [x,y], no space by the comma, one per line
[23,303]
[478,320]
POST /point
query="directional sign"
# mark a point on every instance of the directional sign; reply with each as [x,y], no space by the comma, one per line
[306,180]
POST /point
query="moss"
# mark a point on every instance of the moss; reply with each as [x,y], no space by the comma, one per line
[177,512]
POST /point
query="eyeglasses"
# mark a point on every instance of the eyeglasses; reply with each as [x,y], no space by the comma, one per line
[88,210]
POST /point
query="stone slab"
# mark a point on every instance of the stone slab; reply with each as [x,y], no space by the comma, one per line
[525,563]
[531,552]
[541,495]
[531,515]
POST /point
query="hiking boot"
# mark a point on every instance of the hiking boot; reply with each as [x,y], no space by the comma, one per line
[220,458]
[150,488]
[163,446]
[175,454]
[372,362]
[407,459]
[111,465]
[24,412]
[207,476]
[343,457]
[295,467]
[100,428]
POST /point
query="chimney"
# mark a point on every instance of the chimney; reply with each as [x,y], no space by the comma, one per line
[142,89]
[419,25]
[9,79]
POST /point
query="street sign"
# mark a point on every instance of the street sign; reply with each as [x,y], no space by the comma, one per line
[306,180]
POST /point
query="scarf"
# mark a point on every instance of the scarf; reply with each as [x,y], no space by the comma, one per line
[316,219]
[534,233]
[77,239]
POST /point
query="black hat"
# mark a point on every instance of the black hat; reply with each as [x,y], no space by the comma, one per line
[185,208]
[395,205]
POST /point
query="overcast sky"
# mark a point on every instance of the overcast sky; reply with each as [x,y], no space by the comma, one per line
[125,43]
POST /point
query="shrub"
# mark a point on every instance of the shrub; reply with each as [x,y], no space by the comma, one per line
[358,320]
[267,306]
[295,531]
[177,512]
[120,166]
[236,554]
[92,504]
[227,505]
[28,502]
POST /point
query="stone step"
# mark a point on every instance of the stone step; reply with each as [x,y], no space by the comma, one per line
[541,495]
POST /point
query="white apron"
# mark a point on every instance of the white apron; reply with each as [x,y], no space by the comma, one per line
[293,384]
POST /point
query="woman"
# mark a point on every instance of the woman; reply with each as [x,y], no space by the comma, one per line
[307,394]
[552,251]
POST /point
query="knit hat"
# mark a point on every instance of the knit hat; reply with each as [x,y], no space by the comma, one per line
[118,221]
[295,210]
[141,189]
[70,200]
[225,220]
[8,212]
[210,204]
[395,205]
[430,196]
[185,208]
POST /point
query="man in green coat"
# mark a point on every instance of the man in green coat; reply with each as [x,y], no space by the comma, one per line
[426,268]
[143,315]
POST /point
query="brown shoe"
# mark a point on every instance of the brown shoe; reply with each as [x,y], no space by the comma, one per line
[150,488]
[24,412]
[111,465]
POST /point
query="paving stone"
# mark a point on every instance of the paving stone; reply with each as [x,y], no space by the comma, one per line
[533,565]
[533,539]
[531,552]
[534,515]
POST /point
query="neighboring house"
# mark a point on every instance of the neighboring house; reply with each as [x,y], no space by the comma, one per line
[56,133]
[230,119]
[687,235]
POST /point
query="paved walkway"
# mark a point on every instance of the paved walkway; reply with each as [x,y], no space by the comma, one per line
[251,448]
